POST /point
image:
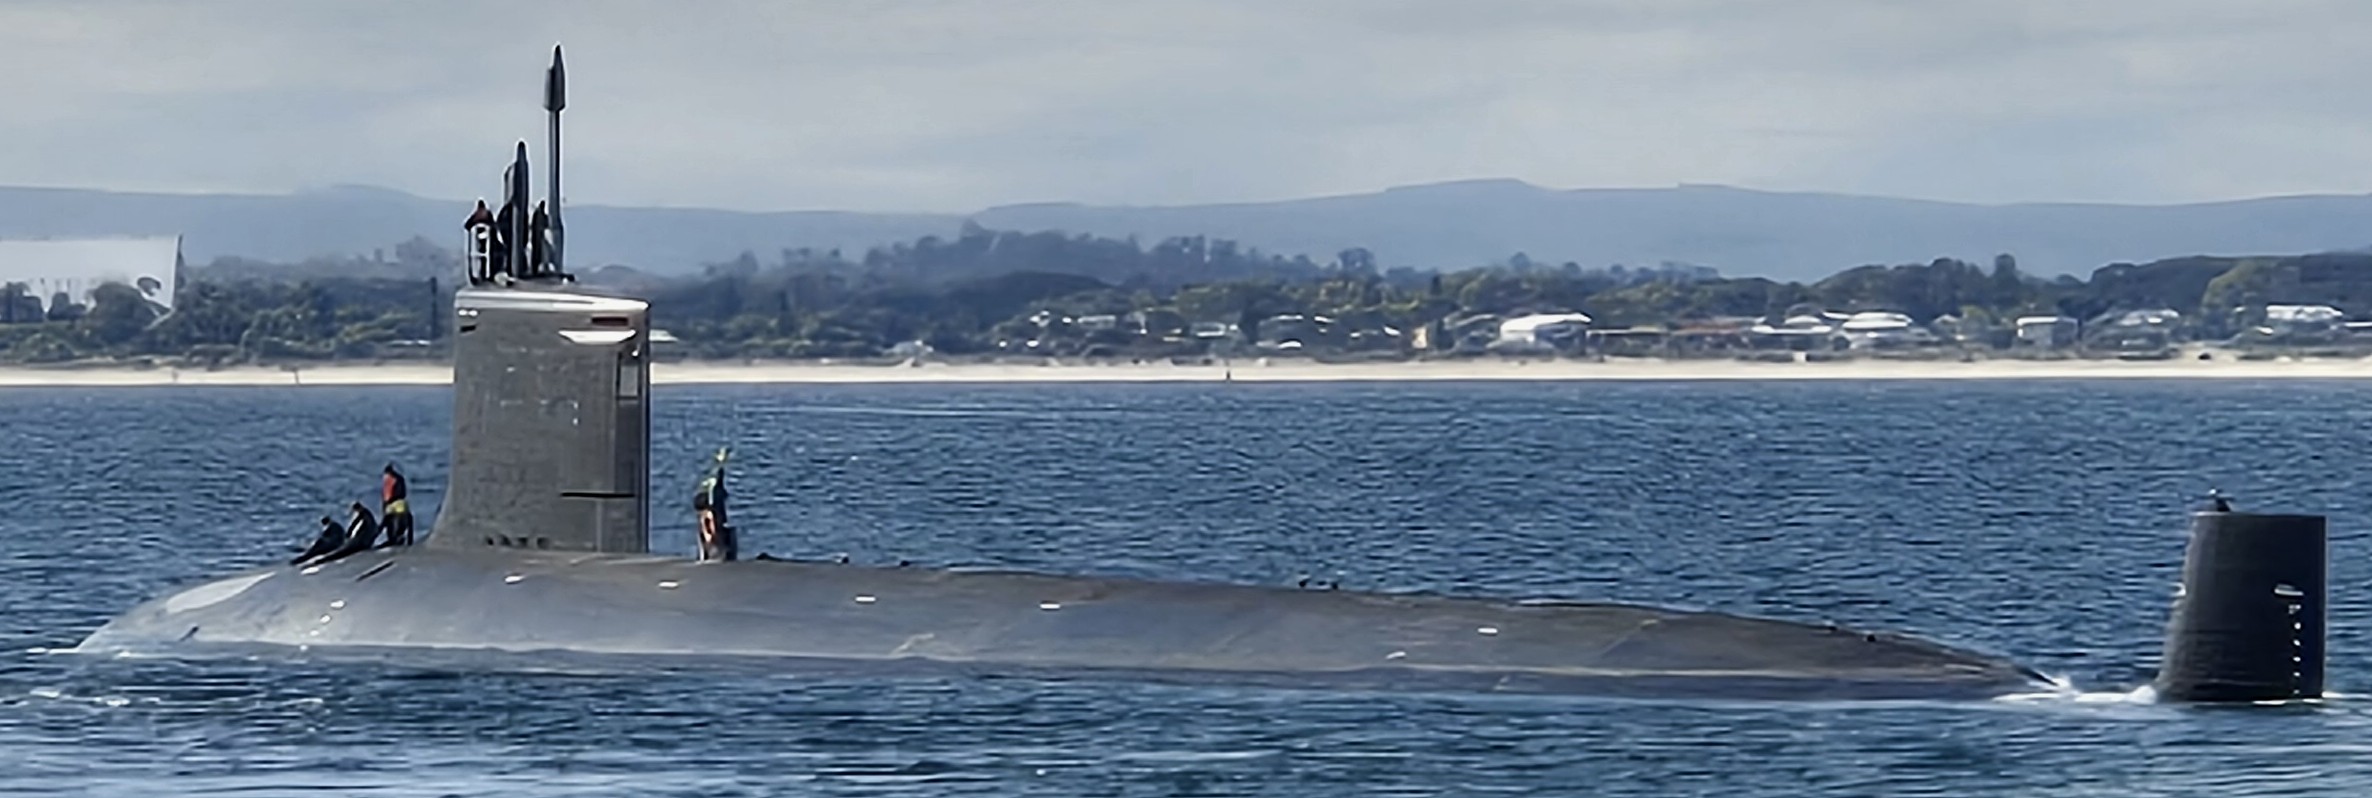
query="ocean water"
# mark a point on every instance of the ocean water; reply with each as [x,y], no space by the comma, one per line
[2041,520]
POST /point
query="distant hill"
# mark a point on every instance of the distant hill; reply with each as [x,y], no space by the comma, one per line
[354,220]
[1788,236]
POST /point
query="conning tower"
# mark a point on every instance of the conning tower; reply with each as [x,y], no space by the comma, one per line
[551,418]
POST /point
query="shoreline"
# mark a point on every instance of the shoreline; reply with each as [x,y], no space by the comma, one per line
[798,373]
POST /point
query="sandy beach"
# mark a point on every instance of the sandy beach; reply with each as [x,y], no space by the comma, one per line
[691,373]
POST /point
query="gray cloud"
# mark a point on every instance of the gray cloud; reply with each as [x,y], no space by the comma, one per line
[951,105]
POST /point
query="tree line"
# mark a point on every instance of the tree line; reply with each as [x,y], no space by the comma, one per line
[985,292]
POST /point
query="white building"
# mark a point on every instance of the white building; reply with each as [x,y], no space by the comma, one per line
[1542,330]
[1881,329]
[1211,329]
[2302,323]
[1806,325]
[2319,317]
[2136,330]
[2049,332]
[75,267]
[1875,321]
[2158,318]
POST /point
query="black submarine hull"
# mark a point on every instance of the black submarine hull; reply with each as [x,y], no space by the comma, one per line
[555,606]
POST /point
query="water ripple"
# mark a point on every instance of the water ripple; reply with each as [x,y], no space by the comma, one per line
[2040,520]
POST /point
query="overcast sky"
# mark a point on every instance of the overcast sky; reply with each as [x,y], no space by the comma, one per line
[948,105]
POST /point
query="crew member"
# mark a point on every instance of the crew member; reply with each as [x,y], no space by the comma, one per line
[539,227]
[716,535]
[332,536]
[503,220]
[362,531]
[395,511]
[481,216]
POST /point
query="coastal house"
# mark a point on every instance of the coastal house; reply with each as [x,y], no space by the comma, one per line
[1158,323]
[2045,332]
[1799,332]
[1473,333]
[1631,342]
[50,276]
[1373,337]
[911,351]
[1717,334]
[1050,320]
[1424,337]
[1883,330]
[1700,341]
[1294,331]
[2303,323]
[2136,331]
[1542,332]
[1972,331]
[1211,330]
[1952,328]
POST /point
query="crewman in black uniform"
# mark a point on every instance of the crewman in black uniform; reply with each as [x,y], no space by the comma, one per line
[331,538]
[539,242]
[503,221]
[362,532]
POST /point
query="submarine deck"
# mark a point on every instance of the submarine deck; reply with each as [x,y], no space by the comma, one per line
[524,602]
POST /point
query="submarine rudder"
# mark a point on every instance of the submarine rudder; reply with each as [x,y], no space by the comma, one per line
[2249,620]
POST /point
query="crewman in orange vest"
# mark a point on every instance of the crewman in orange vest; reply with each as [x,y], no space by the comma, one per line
[395,509]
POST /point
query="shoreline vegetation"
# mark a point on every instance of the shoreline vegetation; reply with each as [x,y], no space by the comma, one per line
[1010,303]
[2218,365]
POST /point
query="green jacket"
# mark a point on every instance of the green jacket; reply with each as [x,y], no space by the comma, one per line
[711,494]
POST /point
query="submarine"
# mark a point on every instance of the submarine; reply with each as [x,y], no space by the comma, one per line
[541,553]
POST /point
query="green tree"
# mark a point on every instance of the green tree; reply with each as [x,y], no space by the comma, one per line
[118,314]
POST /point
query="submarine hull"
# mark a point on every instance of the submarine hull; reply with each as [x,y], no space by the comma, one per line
[561,606]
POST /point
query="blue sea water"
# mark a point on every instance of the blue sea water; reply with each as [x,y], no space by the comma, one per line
[2041,520]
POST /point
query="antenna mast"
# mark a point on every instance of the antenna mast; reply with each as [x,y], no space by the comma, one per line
[556,98]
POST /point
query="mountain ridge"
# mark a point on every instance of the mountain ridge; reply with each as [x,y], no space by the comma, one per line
[1747,232]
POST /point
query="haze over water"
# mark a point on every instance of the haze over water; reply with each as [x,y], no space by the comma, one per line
[2043,520]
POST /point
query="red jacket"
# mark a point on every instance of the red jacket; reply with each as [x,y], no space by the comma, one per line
[391,494]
